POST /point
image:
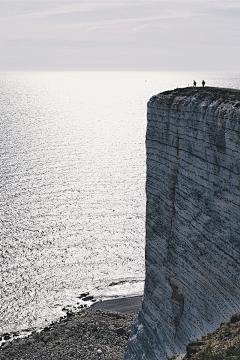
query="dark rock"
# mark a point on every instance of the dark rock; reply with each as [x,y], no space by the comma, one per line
[83,295]
[121,331]
[235,318]
[193,347]
[87,298]
[6,336]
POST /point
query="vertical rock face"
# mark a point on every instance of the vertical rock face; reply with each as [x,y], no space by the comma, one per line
[192,221]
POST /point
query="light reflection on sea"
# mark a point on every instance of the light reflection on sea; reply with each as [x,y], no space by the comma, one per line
[72,201]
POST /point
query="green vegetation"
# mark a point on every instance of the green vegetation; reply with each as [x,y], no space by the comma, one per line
[211,92]
[223,343]
[228,353]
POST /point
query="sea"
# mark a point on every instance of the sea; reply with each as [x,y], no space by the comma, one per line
[72,187]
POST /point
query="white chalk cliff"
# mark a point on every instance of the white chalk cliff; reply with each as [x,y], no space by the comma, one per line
[192,220]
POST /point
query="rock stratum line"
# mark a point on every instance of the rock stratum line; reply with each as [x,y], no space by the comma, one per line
[192,220]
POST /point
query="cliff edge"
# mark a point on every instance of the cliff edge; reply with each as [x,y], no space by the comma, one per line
[192,220]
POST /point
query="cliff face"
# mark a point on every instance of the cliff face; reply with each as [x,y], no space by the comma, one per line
[192,220]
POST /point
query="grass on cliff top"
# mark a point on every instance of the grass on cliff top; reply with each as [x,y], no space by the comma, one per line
[213,92]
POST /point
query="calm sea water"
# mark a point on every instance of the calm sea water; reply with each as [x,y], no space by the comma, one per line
[72,201]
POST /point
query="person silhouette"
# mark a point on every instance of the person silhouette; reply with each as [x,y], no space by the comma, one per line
[194,83]
[203,83]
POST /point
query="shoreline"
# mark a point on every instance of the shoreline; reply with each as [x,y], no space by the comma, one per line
[124,305]
[98,332]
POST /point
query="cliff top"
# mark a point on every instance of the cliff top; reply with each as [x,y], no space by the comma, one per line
[212,92]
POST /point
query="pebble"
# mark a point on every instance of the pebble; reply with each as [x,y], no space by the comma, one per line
[93,336]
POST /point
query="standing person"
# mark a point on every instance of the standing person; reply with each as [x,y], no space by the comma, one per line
[203,83]
[194,83]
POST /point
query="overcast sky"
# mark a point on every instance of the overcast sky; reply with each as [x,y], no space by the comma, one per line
[120,35]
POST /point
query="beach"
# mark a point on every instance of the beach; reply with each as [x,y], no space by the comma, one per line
[99,332]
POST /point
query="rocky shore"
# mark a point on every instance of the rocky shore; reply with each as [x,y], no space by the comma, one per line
[103,334]
[100,332]
[85,335]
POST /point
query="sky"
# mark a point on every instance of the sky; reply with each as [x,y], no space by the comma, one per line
[141,35]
